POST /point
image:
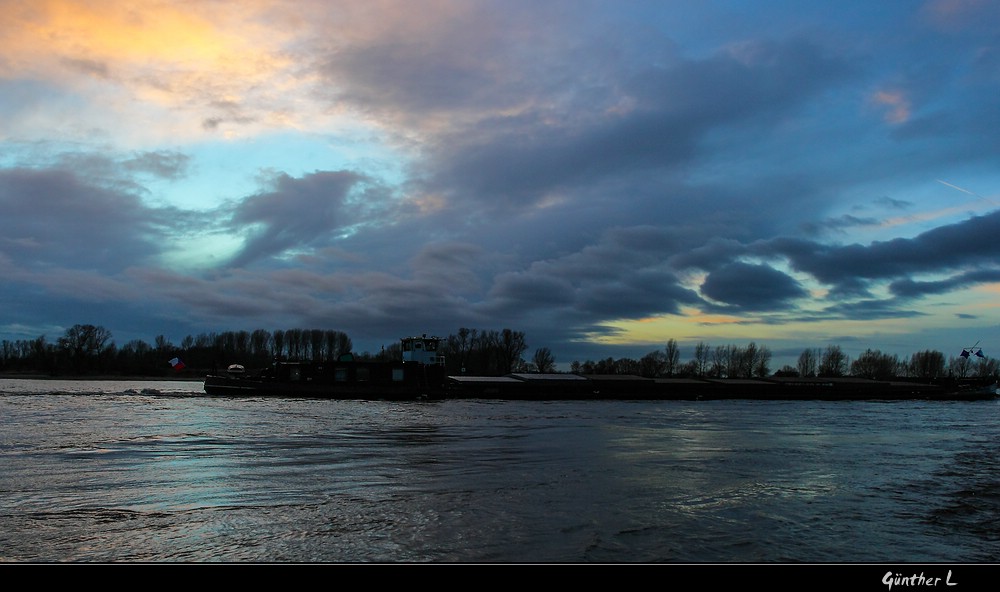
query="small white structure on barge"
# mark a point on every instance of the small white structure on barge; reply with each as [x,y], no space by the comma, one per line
[422,349]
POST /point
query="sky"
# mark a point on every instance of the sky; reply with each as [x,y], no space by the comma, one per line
[603,176]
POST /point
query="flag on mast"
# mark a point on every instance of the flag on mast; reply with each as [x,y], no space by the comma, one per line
[177,364]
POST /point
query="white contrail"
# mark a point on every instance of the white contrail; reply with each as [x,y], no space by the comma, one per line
[972,193]
[957,187]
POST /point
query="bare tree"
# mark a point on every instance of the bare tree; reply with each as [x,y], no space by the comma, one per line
[834,362]
[511,347]
[543,360]
[460,346]
[987,368]
[653,364]
[808,362]
[673,357]
[316,343]
[720,361]
[84,345]
[762,362]
[875,365]
[278,340]
[702,353]
[927,364]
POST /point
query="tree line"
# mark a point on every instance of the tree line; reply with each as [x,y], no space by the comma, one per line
[724,361]
[753,361]
[90,349]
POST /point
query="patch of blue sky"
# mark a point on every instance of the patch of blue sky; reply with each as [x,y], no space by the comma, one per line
[190,253]
[230,171]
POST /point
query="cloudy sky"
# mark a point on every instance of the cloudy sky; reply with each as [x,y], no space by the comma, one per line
[603,176]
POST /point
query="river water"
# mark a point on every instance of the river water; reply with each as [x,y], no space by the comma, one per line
[158,472]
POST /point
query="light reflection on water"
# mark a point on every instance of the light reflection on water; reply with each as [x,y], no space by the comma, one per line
[155,473]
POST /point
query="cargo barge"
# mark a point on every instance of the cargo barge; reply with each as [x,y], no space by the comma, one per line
[420,374]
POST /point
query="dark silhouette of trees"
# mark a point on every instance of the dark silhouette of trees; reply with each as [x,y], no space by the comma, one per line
[963,367]
[27,355]
[338,343]
[875,365]
[653,364]
[722,364]
[702,358]
[833,362]
[543,360]
[672,357]
[485,352]
[808,362]
[86,347]
[511,346]
[89,350]
[137,358]
[389,353]
[987,368]
[278,343]
[927,364]
[459,348]
[260,342]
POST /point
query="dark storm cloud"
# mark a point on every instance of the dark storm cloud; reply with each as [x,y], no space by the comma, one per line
[910,288]
[966,243]
[477,58]
[840,224]
[636,295]
[358,300]
[751,287]
[298,212]
[522,291]
[414,76]
[55,219]
[869,309]
[531,113]
[70,240]
[622,275]
[449,265]
[519,159]
[715,253]
[606,257]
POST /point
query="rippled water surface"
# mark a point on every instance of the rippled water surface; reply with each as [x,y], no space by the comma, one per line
[156,471]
